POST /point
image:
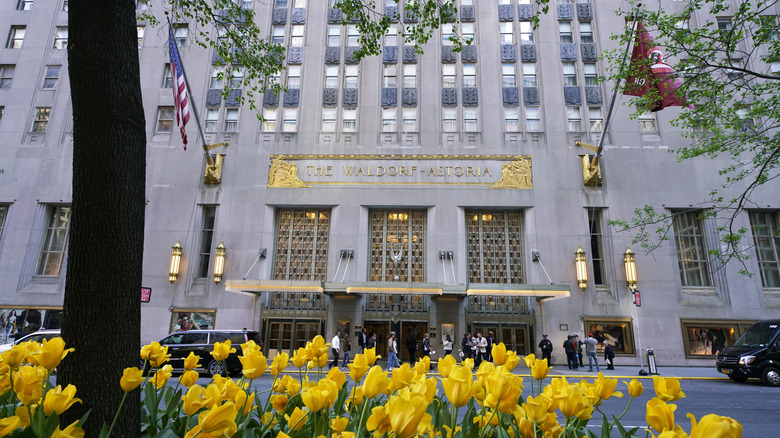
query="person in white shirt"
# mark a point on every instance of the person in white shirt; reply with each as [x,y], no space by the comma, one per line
[481,349]
[335,344]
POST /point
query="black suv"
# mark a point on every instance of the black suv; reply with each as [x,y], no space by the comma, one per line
[755,354]
[201,342]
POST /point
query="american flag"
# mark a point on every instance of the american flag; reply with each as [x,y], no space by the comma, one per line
[179,89]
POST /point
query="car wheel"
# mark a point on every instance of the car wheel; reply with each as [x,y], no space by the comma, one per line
[771,376]
[739,378]
[215,367]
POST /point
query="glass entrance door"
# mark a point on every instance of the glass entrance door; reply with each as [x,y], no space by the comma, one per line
[289,335]
[418,329]
[382,330]
[515,338]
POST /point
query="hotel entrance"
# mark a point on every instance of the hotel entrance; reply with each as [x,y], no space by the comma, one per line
[286,336]
[402,330]
[514,336]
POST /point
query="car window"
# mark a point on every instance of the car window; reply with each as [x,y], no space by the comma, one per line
[172,340]
[235,338]
[254,337]
[194,338]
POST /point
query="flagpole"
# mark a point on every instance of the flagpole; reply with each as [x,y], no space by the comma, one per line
[187,84]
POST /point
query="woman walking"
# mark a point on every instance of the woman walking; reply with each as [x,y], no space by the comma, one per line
[392,352]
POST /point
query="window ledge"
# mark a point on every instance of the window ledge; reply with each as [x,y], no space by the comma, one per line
[772,291]
[699,290]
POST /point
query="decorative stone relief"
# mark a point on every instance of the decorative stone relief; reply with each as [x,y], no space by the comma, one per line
[531,95]
[528,53]
[330,96]
[508,53]
[279,16]
[467,13]
[350,97]
[213,97]
[270,99]
[565,12]
[298,16]
[389,96]
[525,12]
[449,96]
[349,55]
[291,97]
[589,52]
[284,174]
[447,55]
[410,17]
[568,52]
[593,95]
[409,54]
[332,55]
[572,96]
[468,53]
[511,95]
[506,13]
[515,175]
[294,55]
[233,98]
[390,54]
[409,97]
[470,96]
[334,16]
[392,12]
[584,11]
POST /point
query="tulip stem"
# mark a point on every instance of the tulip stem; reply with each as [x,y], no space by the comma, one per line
[362,413]
[454,418]
[119,409]
[624,413]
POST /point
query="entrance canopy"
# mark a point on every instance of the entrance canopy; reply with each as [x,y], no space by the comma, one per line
[257,286]
[542,292]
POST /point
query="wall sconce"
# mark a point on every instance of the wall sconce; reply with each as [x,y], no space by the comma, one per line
[630,264]
[582,268]
[219,262]
[173,269]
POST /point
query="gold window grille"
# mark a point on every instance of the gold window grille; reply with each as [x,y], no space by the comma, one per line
[397,245]
[495,246]
[497,304]
[301,244]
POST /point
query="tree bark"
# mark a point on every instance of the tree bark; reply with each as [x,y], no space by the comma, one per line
[102,309]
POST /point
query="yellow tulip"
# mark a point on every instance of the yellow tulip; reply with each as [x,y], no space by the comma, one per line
[427,387]
[529,360]
[291,386]
[497,385]
[23,413]
[499,353]
[605,388]
[4,368]
[678,433]
[72,431]
[536,408]
[9,424]
[213,395]
[192,400]
[280,363]
[356,396]
[189,378]
[300,357]
[131,378]
[405,413]
[358,368]
[450,433]
[446,364]
[59,400]
[279,402]
[338,425]
[317,397]
[155,353]
[457,386]
[337,376]
[540,370]
[28,384]
[468,363]
[667,388]
[489,418]
[269,420]
[296,419]
[254,364]
[512,359]
[660,415]
[162,375]
[376,382]
[216,421]
[379,421]
[317,347]
[222,350]
[51,353]
[15,356]
[402,376]
[422,366]
[248,346]
[572,401]
[485,370]
[371,356]
[244,402]
[635,388]
[191,362]
[715,426]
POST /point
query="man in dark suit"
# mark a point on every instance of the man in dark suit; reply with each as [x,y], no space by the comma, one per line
[411,345]
[362,339]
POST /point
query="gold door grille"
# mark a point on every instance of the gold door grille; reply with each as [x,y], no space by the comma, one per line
[301,244]
[397,245]
[495,246]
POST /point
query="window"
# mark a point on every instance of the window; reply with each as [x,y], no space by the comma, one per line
[705,338]
[647,122]
[596,119]
[212,119]
[391,37]
[353,36]
[401,234]
[206,239]
[349,119]
[24,5]
[2,111]
[617,332]
[467,32]
[507,33]
[508,75]
[294,76]
[180,34]
[737,71]
[504,2]
[277,35]
[350,76]
[532,119]
[3,215]
[410,75]
[61,38]
[296,39]
[269,120]
[55,241]
[328,120]
[331,76]
[529,75]
[164,119]
[334,35]
[290,120]
[281,4]
[231,119]
[52,75]
[16,37]
[449,120]
[564,29]
[140,31]
[774,68]
[765,228]
[470,120]
[725,24]
[41,121]
[511,119]
[691,253]
[299,3]
[495,245]
[217,73]
[526,32]
[389,76]
[597,246]
[410,119]
[569,74]
[591,73]
[237,76]
[469,75]
[770,22]
[681,24]
[743,118]
[6,75]
[574,118]
[447,34]
[448,75]
[388,119]
[586,32]
[65,5]
[141,5]
[301,248]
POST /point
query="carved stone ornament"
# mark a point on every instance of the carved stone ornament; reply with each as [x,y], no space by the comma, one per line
[284,174]
[409,97]
[329,96]
[589,52]
[506,13]
[213,169]
[294,55]
[515,175]
[392,13]
[270,99]
[528,53]
[279,16]
[508,53]
[234,99]
[568,52]
[565,11]
[332,55]
[467,13]
[447,55]
[389,96]
[213,97]
[468,53]
[298,16]
[525,12]
[591,171]
[390,54]
[410,56]
[334,16]
[510,95]
[584,11]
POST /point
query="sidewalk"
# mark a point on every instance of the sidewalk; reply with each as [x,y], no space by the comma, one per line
[632,371]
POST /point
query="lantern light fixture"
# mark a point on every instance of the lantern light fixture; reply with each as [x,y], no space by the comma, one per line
[582,267]
[173,269]
[219,262]
[630,265]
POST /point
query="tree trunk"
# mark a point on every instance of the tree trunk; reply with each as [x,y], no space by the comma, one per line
[102,309]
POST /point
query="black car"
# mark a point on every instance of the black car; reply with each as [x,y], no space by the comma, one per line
[201,342]
[756,354]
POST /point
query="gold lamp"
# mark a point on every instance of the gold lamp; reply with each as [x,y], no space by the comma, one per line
[630,264]
[582,268]
[219,262]
[173,269]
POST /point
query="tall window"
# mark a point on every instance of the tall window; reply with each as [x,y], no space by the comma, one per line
[212,119]
[388,119]
[140,31]
[569,74]
[391,36]
[277,34]
[3,215]
[564,29]
[447,34]
[495,246]
[765,228]
[41,121]
[389,75]
[301,251]
[449,120]
[533,119]
[353,36]
[206,239]
[55,240]
[470,119]
[24,5]
[529,74]
[167,80]
[61,38]
[597,246]
[231,119]
[296,39]
[350,76]
[294,76]
[691,249]
[469,75]
[164,119]
[328,120]
[591,73]
[526,32]
[725,24]
[508,75]
[410,75]
[467,32]
[647,122]
[511,119]
[269,120]
[596,119]
[507,33]
[349,119]
[290,120]
[331,76]
[334,35]
[52,75]
[180,34]
[586,32]
[448,75]
[16,37]
[574,118]
[410,119]
[217,74]
[397,245]
[6,75]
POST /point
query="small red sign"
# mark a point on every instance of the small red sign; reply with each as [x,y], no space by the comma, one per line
[637,299]
[146,294]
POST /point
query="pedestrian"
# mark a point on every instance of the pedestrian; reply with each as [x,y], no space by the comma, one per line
[571,351]
[474,344]
[335,345]
[392,352]
[411,346]
[426,346]
[579,349]
[447,344]
[347,348]
[547,348]
[481,349]
[491,341]
[371,343]
[609,356]
[590,349]
[362,339]
[465,348]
